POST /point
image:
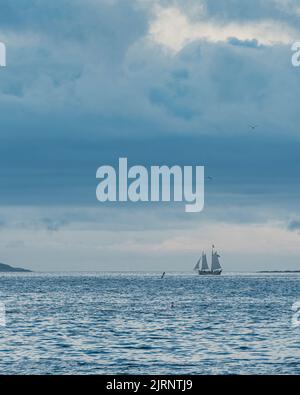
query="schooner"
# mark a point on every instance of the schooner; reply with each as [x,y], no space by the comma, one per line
[216,268]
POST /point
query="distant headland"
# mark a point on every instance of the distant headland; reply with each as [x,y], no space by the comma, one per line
[7,268]
[279,271]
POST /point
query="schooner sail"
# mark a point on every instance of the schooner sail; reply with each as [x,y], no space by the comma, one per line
[204,263]
[197,266]
[215,264]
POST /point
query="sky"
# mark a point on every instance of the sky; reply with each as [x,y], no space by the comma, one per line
[161,82]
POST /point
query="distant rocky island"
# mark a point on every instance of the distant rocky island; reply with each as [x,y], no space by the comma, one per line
[7,268]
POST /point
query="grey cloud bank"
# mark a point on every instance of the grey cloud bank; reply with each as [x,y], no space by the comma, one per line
[89,82]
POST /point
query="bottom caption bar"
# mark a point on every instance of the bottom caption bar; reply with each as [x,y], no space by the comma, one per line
[135,384]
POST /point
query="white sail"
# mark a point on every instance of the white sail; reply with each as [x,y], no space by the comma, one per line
[197,265]
[215,264]
[204,263]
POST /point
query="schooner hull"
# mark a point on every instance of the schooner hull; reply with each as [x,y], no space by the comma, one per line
[206,273]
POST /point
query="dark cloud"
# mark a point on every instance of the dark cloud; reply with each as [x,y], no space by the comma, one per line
[54,225]
[243,43]
[294,225]
[83,87]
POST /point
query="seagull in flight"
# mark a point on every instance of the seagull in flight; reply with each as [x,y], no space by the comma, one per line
[209,178]
[253,127]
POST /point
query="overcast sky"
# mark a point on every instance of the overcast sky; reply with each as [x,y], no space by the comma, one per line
[161,82]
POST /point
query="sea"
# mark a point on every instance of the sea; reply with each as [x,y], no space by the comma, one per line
[138,323]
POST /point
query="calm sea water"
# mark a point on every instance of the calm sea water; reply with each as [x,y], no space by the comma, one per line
[93,323]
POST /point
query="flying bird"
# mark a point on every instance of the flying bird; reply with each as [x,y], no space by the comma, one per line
[253,127]
[209,178]
[163,275]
